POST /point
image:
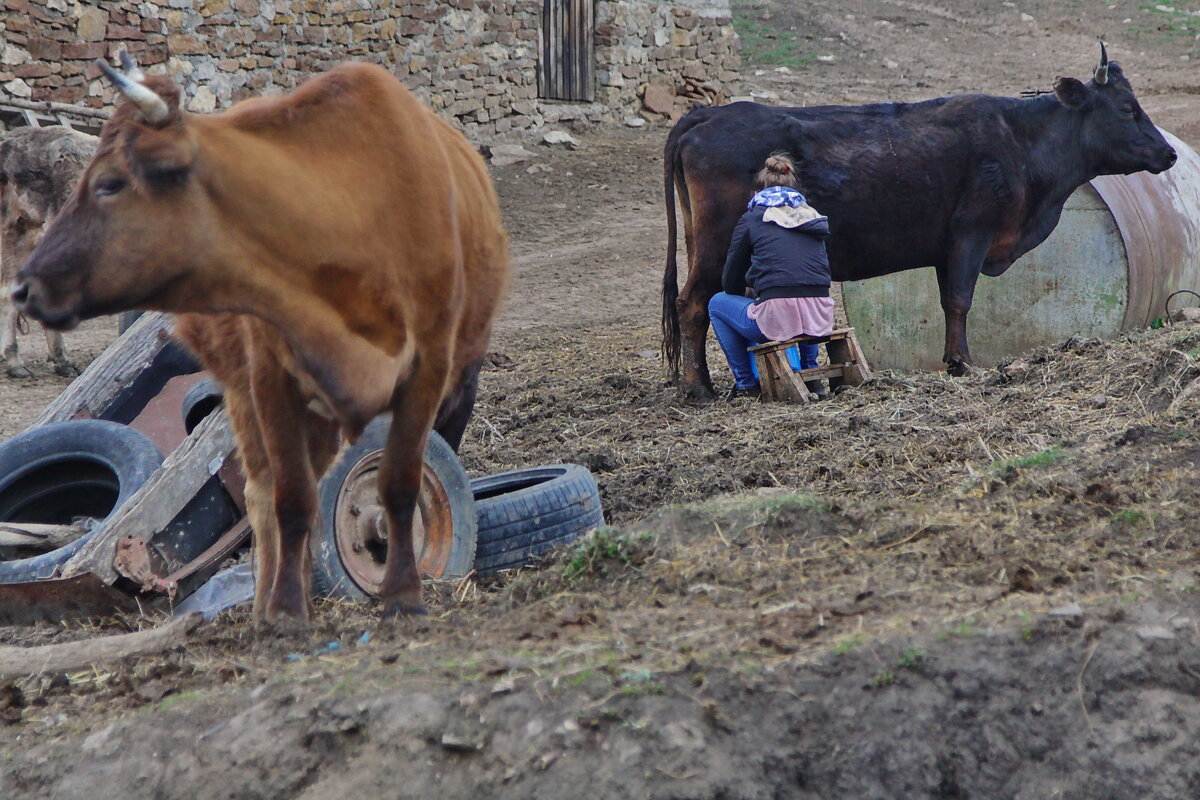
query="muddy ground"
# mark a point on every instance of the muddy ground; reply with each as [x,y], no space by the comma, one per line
[925,587]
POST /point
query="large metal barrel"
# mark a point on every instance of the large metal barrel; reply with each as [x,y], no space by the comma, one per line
[1123,244]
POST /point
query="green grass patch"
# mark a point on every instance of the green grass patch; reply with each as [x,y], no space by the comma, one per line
[1129,516]
[765,46]
[1173,19]
[1042,459]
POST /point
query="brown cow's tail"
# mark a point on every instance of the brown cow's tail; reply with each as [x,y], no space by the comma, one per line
[670,288]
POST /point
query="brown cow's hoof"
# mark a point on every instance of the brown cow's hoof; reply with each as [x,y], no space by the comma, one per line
[282,626]
[18,371]
[398,610]
[66,369]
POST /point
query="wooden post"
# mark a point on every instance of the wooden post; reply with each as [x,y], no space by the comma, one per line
[113,370]
[32,536]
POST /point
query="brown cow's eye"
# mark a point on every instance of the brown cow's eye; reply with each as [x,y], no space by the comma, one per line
[108,186]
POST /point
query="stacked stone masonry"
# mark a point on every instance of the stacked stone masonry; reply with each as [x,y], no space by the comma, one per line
[474,61]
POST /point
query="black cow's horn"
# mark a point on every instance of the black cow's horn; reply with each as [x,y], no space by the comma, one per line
[153,107]
[1102,70]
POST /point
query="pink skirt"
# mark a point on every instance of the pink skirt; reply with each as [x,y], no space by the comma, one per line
[785,317]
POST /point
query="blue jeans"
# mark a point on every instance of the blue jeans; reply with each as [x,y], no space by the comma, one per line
[735,331]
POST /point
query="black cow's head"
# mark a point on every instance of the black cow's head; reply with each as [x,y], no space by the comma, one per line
[1116,135]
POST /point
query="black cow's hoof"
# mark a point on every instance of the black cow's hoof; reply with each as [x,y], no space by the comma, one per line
[66,369]
[699,394]
[18,371]
[959,369]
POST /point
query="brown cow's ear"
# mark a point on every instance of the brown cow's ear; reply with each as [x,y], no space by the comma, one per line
[1071,92]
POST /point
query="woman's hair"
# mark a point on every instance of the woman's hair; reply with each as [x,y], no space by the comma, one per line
[780,170]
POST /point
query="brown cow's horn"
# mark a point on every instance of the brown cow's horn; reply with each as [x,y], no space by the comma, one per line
[153,107]
[1102,70]
[130,67]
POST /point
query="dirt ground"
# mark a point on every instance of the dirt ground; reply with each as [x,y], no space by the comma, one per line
[924,587]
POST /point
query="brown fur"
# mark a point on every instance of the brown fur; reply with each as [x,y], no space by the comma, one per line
[345,247]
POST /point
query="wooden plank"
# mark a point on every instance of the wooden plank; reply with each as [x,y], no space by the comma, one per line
[112,371]
[588,51]
[23,662]
[840,333]
[49,106]
[817,373]
[30,535]
[170,488]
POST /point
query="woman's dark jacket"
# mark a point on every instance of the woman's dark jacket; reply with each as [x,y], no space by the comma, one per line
[777,261]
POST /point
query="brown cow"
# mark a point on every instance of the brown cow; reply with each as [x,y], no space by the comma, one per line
[39,168]
[349,242]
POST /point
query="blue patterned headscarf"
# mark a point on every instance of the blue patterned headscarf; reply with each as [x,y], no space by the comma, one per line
[775,196]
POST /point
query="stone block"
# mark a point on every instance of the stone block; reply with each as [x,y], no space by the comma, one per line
[10,55]
[89,50]
[34,70]
[125,32]
[42,49]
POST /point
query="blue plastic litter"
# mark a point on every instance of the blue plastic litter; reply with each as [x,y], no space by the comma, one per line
[366,637]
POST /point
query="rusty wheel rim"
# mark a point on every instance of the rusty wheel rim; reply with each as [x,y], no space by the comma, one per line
[360,526]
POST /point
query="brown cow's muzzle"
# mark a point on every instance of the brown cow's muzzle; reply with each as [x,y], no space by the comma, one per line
[29,296]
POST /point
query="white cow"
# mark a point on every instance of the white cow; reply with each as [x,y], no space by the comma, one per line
[39,168]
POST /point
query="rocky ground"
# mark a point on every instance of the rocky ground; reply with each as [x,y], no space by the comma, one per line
[925,587]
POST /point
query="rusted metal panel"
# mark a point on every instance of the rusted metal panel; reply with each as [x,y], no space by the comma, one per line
[566,71]
[1123,244]
[60,599]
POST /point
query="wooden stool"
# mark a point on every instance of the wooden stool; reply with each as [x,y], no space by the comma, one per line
[847,365]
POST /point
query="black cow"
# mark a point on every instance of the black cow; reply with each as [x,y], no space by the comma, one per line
[965,184]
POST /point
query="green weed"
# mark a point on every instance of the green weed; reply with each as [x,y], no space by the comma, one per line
[604,546]
[913,658]
[885,678]
[964,628]
[846,645]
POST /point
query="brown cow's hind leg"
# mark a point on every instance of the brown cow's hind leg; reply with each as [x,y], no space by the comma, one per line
[456,410]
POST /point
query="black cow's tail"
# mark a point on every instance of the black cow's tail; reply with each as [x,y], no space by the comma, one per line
[670,288]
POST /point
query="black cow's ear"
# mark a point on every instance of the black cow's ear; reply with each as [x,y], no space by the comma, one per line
[1071,92]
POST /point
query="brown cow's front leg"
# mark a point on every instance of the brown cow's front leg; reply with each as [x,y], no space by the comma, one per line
[413,412]
[282,415]
[956,284]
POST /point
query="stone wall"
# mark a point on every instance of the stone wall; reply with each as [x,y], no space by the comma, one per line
[474,61]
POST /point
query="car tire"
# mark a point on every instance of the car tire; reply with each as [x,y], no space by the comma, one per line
[521,515]
[200,401]
[126,319]
[57,473]
[348,551]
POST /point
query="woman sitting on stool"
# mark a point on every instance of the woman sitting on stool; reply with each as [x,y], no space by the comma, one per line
[778,251]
